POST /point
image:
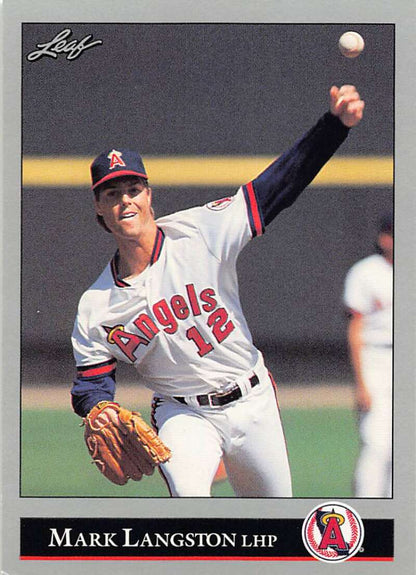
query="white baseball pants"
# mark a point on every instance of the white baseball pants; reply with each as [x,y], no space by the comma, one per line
[246,433]
[374,466]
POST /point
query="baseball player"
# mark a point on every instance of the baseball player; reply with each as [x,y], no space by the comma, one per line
[368,296]
[168,304]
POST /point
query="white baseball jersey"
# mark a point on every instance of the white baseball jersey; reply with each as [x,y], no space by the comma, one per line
[369,291]
[180,321]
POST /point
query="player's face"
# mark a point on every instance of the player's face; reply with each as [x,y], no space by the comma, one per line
[385,242]
[125,206]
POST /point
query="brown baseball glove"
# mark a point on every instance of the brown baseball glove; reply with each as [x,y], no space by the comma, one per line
[122,445]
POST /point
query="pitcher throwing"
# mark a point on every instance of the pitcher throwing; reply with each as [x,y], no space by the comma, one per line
[168,304]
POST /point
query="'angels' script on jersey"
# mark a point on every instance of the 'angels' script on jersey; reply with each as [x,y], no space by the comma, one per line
[167,316]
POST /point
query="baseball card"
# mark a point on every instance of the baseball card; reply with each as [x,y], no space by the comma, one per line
[207,303]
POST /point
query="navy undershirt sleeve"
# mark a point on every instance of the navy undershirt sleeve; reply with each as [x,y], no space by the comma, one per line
[280,184]
[87,392]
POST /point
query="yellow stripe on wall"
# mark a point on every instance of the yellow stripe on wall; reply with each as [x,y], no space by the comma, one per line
[210,171]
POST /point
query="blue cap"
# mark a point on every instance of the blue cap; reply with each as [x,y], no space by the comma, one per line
[386,224]
[116,164]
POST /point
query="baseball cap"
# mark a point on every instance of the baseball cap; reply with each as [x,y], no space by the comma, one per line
[386,224]
[115,164]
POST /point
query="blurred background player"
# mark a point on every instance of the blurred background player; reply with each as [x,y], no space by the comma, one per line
[368,296]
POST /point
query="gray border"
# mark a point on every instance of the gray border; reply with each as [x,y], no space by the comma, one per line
[402,508]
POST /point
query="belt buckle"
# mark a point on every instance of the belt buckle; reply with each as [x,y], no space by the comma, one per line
[229,392]
[210,396]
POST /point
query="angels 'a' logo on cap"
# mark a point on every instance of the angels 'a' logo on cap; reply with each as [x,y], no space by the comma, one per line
[333,532]
[116,159]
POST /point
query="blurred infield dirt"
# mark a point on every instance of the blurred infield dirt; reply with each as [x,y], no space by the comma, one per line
[301,396]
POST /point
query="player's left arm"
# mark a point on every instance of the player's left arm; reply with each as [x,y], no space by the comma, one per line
[95,379]
[88,390]
[277,187]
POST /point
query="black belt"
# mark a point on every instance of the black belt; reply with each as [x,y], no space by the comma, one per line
[219,399]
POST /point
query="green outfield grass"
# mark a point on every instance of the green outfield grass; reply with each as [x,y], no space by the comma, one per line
[322,445]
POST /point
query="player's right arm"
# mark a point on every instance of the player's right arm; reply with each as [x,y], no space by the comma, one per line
[357,303]
[355,343]
[281,183]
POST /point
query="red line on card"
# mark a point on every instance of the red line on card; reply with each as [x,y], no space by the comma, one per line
[372,558]
[134,558]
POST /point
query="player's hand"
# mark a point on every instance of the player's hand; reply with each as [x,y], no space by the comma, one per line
[362,399]
[345,102]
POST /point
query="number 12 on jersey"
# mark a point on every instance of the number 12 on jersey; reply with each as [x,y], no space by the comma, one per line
[221,328]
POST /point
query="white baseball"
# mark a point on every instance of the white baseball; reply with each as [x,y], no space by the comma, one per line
[351,44]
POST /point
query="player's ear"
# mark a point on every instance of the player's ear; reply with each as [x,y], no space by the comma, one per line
[97,208]
[149,199]
[149,195]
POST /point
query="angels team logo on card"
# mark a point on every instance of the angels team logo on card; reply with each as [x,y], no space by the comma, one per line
[221,204]
[333,532]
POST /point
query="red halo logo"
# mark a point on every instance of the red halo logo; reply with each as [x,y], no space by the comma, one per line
[221,204]
[333,532]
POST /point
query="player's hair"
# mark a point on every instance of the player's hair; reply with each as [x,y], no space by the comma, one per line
[99,189]
[385,226]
